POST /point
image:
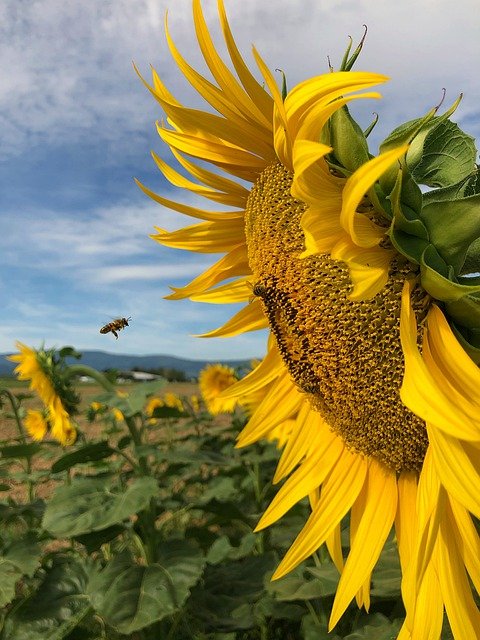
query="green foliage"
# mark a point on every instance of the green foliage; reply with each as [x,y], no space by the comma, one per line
[148,533]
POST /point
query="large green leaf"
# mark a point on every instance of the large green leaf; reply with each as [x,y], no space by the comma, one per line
[378,627]
[9,575]
[229,591]
[57,606]
[130,596]
[448,156]
[20,450]
[88,453]
[25,553]
[90,504]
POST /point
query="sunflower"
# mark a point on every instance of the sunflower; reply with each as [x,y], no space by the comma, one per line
[365,282]
[212,380]
[40,369]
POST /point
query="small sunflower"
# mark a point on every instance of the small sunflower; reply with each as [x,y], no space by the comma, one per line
[40,368]
[214,379]
[365,282]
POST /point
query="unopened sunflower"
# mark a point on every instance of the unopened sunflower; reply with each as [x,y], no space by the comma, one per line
[366,281]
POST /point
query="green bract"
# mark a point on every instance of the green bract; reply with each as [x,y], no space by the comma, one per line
[431,202]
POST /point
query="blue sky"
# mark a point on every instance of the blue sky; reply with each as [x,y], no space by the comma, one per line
[77,126]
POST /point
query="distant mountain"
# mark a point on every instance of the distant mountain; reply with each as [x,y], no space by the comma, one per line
[102,360]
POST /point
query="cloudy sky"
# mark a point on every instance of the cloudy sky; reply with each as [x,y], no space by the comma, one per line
[76,126]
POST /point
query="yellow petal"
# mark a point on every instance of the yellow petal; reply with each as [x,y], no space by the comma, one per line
[250,318]
[458,471]
[467,539]
[404,519]
[236,291]
[420,392]
[310,475]
[234,263]
[221,73]
[310,432]
[283,398]
[206,237]
[270,368]
[373,512]
[178,180]
[361,229]
[339,492]
[462,612]
[193,212]
[254,89]
[368,268]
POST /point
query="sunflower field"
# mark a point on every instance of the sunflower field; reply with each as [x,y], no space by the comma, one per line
[142,527]
[332,491]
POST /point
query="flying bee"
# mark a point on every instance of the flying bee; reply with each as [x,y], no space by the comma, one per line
[115,325]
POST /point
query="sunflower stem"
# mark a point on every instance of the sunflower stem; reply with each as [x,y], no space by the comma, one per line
[76,370]
[23,439]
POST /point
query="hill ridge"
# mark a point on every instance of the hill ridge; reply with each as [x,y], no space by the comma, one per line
[102,360]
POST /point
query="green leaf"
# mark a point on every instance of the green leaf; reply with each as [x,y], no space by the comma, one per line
[378,627]
[88,453]
[94,540]
[9,575]
[312,629]
[57,606]
[167,412]
[222,548]
[130,597]
[447,156]
[89,505]
[226,597]
[293,588]
[438,281]
[140,392]
[20,450]
[219,489]
[25,553]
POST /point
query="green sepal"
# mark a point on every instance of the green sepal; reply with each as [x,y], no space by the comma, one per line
[349,60]
[466,311]
[437,278]
[469,186]
[472,259]
[469,339]
[406,199]
[350,148]
[408,234]
[410,246]
[452,225]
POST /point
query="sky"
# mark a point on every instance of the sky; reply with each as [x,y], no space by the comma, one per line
[77,126]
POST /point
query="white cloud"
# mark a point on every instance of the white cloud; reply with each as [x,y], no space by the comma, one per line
[67,66]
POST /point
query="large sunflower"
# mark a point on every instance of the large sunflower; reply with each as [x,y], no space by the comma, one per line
[375,328]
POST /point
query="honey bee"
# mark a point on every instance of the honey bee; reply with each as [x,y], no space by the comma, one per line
[258,290]
[115,325]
